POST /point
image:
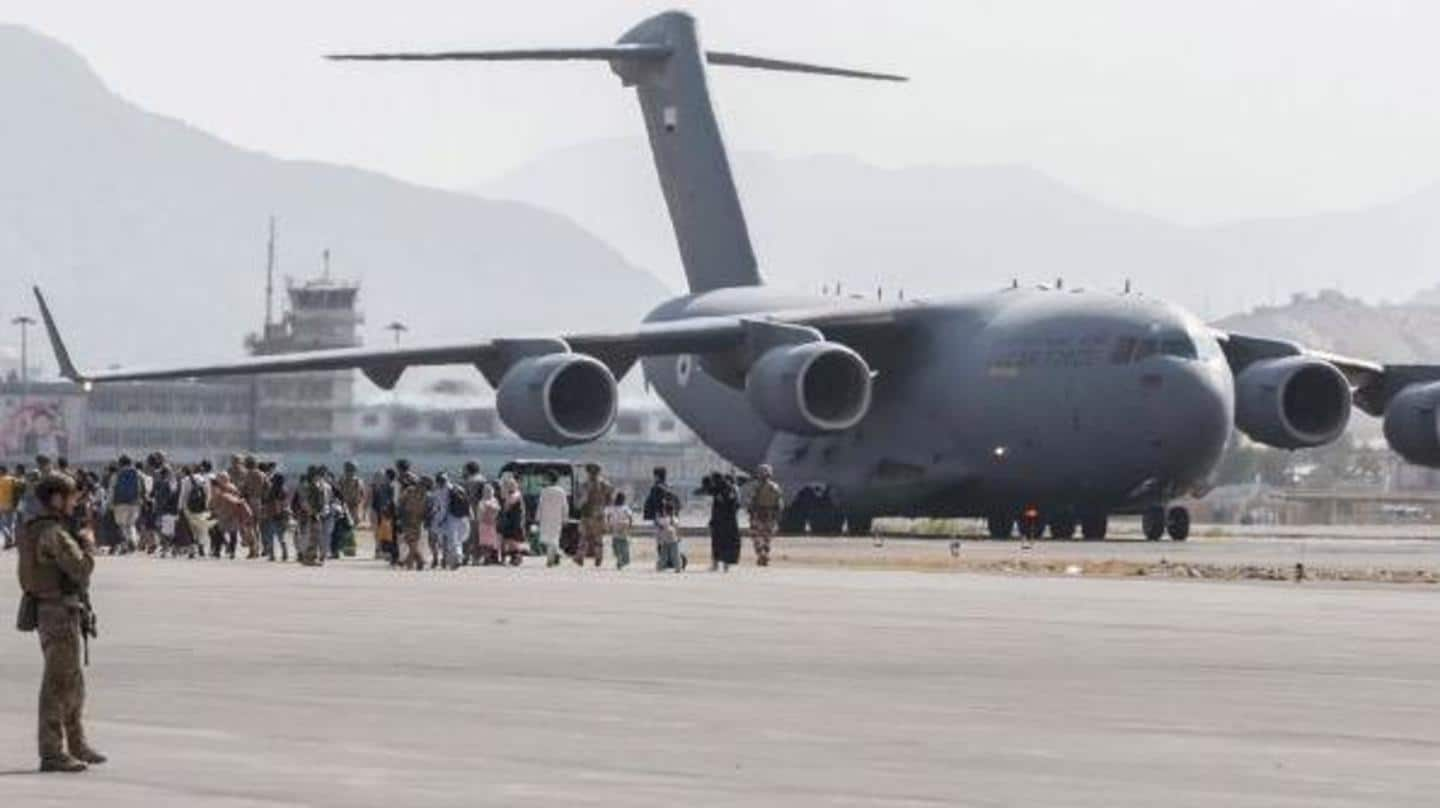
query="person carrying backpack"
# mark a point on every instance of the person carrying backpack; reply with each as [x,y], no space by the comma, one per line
[125,495]
[194,501]
[455,523]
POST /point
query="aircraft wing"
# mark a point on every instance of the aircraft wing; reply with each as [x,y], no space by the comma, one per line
[1374,383]
[617,350]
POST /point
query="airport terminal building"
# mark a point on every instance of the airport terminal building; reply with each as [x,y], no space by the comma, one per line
[306,418]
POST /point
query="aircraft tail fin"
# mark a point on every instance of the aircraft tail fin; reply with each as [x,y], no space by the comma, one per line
[663,60]
[62,354]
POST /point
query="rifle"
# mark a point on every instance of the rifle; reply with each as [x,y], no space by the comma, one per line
[89,623]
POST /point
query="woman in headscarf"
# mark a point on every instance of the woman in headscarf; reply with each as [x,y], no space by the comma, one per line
[724,522]
[487,534]
[511,522]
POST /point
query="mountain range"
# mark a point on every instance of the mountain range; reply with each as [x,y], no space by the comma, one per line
[150,236]
[946,229]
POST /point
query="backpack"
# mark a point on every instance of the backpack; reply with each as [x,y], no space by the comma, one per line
[655,502]
[315,498]
[127,486]
[459,504]
[164,493]
[195,501]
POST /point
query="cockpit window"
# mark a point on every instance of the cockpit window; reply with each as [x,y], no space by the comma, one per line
[1180,346]
[1135,349]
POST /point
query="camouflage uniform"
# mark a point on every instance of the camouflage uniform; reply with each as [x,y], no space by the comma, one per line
[765,504]
[310,523]
[596,494]
[351,490]
[54,568]
[412,509]
[252,484]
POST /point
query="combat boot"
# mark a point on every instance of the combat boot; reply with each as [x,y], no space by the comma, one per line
[87,755]
[66,765]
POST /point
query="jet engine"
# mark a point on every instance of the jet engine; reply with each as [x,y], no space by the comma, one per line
[809,388]
[558,399]
[1295,402]
[1411,426]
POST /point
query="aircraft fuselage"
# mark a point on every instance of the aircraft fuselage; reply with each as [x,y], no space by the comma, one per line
[1077,400]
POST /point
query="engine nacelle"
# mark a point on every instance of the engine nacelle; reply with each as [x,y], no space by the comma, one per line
[810,388]
[1295,402]
[558,399]
[1411,425]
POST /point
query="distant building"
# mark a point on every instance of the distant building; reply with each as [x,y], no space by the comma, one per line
[454,422]
[310,413]
[186,420]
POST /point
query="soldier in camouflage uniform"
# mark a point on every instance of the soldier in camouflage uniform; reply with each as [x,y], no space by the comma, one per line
[412,510]
[765,504]
[311,502]
[596,494]
[252,483]
[351,490]
[54,570]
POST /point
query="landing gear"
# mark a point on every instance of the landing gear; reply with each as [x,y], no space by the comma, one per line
[796,517]
[812,509]
[1032,527]
[1062,527]
[1152,523]
[1000,525]
[858,524]
[1094,526]
[827,520]
[1177,524]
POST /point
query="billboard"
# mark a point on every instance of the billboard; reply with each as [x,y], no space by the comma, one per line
[38,426]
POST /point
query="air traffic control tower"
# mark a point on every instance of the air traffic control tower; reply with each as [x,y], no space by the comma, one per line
[307,414]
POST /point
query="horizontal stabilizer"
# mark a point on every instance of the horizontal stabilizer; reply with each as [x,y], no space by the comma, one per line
[761,63]
[641,52]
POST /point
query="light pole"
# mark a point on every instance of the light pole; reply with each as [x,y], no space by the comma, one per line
[398,328]
[24,321]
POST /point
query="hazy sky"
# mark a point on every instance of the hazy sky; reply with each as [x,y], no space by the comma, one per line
[1199,111]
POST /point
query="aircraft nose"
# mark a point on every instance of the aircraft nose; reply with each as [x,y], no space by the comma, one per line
[1201,400]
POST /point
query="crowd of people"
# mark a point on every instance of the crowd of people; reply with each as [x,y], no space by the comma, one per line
[252,509]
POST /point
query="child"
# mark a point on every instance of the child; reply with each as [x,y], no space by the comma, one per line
[669,554]
[618,521]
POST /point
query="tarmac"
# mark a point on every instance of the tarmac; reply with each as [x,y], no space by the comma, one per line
[252,684]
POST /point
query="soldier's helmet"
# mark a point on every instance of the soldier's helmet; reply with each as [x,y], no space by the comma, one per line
[351,467]
[52,484]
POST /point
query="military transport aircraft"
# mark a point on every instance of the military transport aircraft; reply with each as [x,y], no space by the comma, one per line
[1068,404]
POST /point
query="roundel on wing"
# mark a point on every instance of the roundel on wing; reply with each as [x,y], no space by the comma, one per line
[684,365]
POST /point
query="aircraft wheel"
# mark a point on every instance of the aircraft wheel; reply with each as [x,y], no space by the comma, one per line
[1177,524]
[858,525]
[1032,528]
[796,517]
[1062,527]
[1152,523]
[1000,525]
[1094,527]
[826,519]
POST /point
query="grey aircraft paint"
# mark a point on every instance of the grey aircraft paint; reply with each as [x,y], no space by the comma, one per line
[1078,403]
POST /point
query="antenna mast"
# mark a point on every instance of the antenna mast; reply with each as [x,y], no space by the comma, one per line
[270,279]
